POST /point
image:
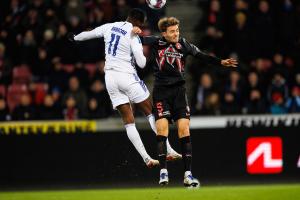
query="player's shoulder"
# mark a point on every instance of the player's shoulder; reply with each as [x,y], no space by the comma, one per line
[183,41]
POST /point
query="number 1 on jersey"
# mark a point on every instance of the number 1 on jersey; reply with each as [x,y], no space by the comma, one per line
[115,38]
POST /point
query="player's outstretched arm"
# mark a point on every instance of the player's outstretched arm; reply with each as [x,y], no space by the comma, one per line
[230,62]
[88,35]
[193,50]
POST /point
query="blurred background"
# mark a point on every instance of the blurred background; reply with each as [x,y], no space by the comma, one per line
[57,123]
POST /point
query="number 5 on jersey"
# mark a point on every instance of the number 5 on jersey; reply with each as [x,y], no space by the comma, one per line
[114,39]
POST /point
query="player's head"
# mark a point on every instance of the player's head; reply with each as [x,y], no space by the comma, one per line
[169,28]
[137,17]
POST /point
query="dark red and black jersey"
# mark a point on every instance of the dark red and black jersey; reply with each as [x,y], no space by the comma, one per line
[169,59]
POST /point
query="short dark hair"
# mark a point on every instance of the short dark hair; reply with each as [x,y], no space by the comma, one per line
[137,14]
[166,22]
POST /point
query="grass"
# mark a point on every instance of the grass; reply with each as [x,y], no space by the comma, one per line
[255,192]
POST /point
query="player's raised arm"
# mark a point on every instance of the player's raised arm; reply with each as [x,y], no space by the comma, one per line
[88,35]
[195,51]
[137,50]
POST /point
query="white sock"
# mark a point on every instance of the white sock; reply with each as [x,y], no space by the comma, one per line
[151,120]
[163,170]
[135,139]
[186,173]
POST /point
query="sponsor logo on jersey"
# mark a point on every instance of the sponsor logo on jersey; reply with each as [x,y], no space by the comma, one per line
[178,45]
[264,155]
[171,55]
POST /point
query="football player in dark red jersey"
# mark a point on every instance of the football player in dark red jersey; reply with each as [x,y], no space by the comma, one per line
[169,93]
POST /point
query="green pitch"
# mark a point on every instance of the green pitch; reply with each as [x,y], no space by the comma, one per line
[264,192]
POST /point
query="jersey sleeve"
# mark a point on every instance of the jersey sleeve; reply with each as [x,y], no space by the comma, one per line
[196,52]
[137,50]
[149,40]
[95,33]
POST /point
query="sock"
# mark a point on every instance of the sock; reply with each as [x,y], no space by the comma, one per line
[151,120]
[186,148]
[162,151]
[135,139]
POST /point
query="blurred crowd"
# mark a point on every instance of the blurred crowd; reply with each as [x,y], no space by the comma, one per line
[43,76]
[265,37]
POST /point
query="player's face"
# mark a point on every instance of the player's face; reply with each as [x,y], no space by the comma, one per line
[172,34]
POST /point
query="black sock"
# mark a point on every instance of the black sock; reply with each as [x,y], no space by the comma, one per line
[186,148]
[162,150]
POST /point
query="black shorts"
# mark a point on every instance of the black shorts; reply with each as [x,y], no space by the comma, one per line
[171,103]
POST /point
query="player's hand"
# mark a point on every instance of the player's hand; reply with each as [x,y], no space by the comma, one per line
[229,62]
[136,30]
[70,37]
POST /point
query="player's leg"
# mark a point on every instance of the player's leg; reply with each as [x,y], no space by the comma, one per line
[181,114]
[133,135]
[162,135]
[120,102]
[146,107]
[183,125]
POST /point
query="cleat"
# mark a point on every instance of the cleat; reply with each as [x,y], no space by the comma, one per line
[151,162]
[189,181]
[163,178]
[173,156]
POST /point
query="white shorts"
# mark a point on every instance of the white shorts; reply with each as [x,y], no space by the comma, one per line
[124,88]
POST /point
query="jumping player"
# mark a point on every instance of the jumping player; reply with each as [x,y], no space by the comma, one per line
[122,51]
[169,93]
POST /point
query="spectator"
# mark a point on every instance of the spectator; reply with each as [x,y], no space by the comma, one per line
[278,85]
[99,75]
[42,66]
[230,104]
[29,48]
[5,66]
[293,102]
[82,74]
[255,103]
[240,37]
[4,112]
[213,41]
[286,25]
[70,111]
[203,90]
[234,86]
[65,50]
[58,78]
[263,29]
[98,92]
[253,83]
[94,111]
[277,104]
[48,110]
[77,93]
[212,105]
[263,34]
[26,110]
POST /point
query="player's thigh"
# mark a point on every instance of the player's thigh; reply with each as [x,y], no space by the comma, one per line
[183,126]
[161,106]
[180,105]
[135,89]
[117,96]
[145,106]
[162,126]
